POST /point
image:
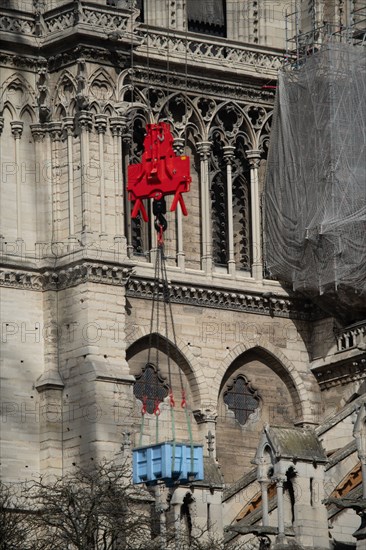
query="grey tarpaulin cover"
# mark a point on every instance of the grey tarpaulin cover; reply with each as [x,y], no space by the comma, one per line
[315,195]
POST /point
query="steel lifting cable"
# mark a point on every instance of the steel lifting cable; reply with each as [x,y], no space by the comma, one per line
[155,306]
[183,392]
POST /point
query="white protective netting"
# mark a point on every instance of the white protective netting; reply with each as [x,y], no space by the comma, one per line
[315,197]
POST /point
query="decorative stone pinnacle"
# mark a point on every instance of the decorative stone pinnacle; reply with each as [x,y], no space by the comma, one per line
[16,129]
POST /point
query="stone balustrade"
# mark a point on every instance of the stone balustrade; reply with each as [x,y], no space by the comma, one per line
[184,47]
[352,336]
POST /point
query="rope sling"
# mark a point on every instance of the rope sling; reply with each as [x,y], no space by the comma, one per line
[161,300]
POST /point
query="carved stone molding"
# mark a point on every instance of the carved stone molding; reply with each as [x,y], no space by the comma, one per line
[345,372]
[204,87]
[64,278]
[20,279]
[223,299]
[83,273]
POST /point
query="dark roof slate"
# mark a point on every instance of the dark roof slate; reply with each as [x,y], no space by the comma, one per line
[299,443]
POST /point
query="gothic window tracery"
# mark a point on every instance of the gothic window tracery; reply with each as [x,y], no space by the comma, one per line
[140,232]
[241,399]
[241,208]
[150,386]
[229,129]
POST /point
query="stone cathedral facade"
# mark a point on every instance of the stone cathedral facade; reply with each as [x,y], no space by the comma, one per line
[275,386]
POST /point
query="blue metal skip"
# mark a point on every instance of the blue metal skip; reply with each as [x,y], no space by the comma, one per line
[169,462]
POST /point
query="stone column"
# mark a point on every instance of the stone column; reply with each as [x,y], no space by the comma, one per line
[203,149]
[69,128]
[262,478]
[17,130]
[101,125]
[127,143]
[206,418]
[55,130]
[229,157]
[85,123]
[117,124]
[38,134]
[280,508]
[254,158]
[179,150]
[264,491]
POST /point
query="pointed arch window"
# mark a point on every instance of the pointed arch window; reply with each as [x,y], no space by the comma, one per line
[239,210]
[138,232]
[150,385]
[241,399]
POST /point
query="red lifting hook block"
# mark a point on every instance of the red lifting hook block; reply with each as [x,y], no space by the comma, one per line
[160,173]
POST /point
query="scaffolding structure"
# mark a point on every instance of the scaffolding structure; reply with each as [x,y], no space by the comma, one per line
[315,198]
[300,45]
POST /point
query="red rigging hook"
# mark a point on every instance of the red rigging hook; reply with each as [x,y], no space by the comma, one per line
[160,173]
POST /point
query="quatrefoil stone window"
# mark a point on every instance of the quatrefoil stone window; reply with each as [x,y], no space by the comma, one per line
[151,386]
[241,399]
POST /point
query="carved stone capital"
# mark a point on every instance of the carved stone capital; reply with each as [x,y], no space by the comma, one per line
[68,123]
[85,121]
[229,153]
[16,129]
[38,132]
[279,480]
[203,149]
[127,139]
[178,146]
[205,415]
[55,130]
[254,158]
[117,125]
[101,123]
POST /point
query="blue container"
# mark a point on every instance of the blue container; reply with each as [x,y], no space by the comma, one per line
[168,462]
